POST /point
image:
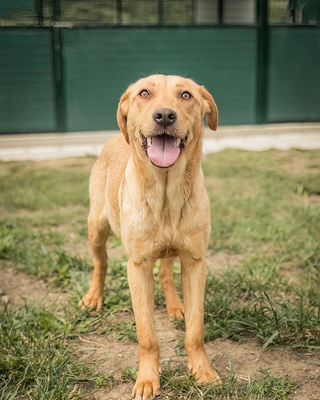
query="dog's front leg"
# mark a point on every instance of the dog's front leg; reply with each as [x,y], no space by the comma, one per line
[193,273]
[140,278]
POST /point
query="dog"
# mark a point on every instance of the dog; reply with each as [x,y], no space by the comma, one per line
[148,187]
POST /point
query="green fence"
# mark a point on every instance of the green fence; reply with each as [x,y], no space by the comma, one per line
[99,64]
[294,74]
[27,101]
[56,75]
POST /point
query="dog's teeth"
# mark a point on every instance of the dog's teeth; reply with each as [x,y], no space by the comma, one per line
[178,142]
[149,141]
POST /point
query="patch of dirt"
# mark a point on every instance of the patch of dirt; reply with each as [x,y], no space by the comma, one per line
[17,287]
[219,261]
[113,356]
[290,271]
[313,200]
[243,359]
[298,164]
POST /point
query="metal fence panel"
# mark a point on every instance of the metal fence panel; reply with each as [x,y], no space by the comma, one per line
[100,63]
[259,58]
[27,100]
[294,75]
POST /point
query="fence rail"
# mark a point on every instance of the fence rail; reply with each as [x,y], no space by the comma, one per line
[73,13]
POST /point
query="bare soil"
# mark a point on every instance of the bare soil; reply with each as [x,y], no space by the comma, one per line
[113,356]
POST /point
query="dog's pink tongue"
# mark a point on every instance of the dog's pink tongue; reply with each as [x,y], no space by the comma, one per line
[164,151]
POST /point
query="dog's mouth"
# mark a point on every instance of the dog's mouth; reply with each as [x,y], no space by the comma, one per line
[163,150]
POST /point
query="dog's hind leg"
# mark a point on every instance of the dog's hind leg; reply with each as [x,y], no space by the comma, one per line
[98,230]
[174,305]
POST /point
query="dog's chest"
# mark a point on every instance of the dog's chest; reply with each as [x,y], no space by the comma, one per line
[161,217]
[150,234]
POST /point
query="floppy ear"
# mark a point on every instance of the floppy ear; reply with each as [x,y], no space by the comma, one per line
[122,114]
[210,108]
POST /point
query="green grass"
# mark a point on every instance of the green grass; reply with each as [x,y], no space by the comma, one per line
[264,212]
[35,360]
[177,383]
[265,215]
[36,189]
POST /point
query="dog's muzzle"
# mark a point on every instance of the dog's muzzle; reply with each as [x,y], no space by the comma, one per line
[163,150]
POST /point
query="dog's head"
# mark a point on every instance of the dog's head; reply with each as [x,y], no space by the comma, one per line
[162,116]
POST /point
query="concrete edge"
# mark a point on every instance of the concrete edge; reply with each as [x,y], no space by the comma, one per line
[40,139]
[37,147]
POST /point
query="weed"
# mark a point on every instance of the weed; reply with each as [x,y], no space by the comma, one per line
[122,330]
[129,374]
[177,383]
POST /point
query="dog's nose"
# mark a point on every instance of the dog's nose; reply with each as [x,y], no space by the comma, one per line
[164,116]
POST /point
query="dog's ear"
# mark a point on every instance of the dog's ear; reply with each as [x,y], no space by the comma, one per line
[122,114]
[210,108]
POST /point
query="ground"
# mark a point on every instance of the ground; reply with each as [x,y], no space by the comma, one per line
[262,300]
[113,355]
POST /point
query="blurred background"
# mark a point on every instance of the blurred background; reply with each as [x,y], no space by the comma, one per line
[64,64]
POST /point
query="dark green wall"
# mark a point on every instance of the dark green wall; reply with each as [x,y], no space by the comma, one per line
[99,64]
[27,101]
[294,74]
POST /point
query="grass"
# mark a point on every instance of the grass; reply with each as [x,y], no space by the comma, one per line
[265,215]
[177,383]
[35,360]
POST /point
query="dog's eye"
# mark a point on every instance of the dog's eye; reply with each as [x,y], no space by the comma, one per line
[144,93]
[186,95]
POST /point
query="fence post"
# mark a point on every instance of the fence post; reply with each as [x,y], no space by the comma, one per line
[119,12]
[39,6]
[160,12]
[60,108]
[262,61]
[220,12]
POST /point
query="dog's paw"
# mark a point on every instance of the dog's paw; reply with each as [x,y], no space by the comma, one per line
[176,313]
[175,308]
[205,374]
[146,389]
[92,300]
[147,385]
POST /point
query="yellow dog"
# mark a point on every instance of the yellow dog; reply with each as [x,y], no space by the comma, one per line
[148,187]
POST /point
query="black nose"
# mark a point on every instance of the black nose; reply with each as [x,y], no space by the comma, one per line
[164,116]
